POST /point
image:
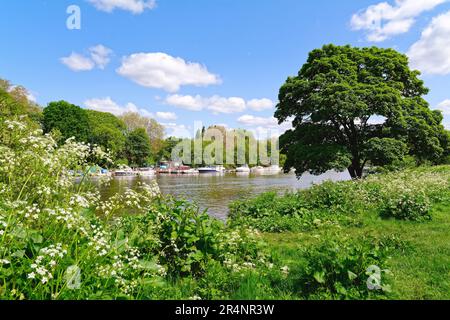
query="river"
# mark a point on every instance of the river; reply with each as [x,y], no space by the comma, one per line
[215,192]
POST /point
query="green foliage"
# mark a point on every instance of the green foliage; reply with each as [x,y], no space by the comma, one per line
[53,245]
[138,148]
[187,237]
[155,131]
[338,269]
[386,151]
[270,213]
[407,206]
[107,131]
[14,103]
[70,120]
[333,99]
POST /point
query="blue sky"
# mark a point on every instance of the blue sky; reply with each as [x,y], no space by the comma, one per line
[220,61]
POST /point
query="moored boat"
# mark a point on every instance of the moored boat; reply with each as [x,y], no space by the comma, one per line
[274,168]
[124,172]
[243,169]
[146,172]
[257,169]
[211,169]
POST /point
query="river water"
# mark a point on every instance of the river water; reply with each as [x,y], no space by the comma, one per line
[215,192]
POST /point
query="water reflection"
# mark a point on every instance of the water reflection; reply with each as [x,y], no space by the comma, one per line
[214,191]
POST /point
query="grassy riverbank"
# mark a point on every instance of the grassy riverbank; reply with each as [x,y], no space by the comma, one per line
[420,270]
[342,216]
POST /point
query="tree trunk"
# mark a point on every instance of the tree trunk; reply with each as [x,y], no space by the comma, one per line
[356,171]
[352,172]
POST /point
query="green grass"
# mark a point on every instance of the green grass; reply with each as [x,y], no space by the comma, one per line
[420,271]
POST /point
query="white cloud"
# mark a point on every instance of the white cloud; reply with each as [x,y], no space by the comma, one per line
[377,120]
[99,56]
[77,62]
[444,106]
[110,106]
[186,102]
[170,116]
[217,104]
[383,20]
[162,71]
[260,104]
[175,130]
[134,6]
[265,127]
[431,54]
[253,121]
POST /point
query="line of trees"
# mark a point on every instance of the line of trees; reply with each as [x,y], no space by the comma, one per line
[131,139]
[237,147]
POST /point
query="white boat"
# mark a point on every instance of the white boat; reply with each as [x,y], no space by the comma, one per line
[274,168]
[127,172]
[211,169]
[190,171]
[270,171]
[257,169]
[146,172]
[243,169]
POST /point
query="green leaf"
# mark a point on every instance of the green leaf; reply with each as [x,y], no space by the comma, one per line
[36,238]
[19,254]
[149,265]
[120,245]
[351,275]
[20,233]
[320,277]
[386,288]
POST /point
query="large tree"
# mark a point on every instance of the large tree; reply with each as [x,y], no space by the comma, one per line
[70,120]
[352,106]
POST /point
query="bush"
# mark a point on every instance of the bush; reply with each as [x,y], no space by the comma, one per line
[187,237]
[336,196]
[407,206]
[338,269]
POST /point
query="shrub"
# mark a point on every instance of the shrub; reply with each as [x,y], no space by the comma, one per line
[338,269]
[337,196]
[407,206]
[187,237]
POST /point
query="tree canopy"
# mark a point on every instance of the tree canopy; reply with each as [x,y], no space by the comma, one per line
[70,120]
[155,131]
[14,101]
[138,147]
[354,106]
